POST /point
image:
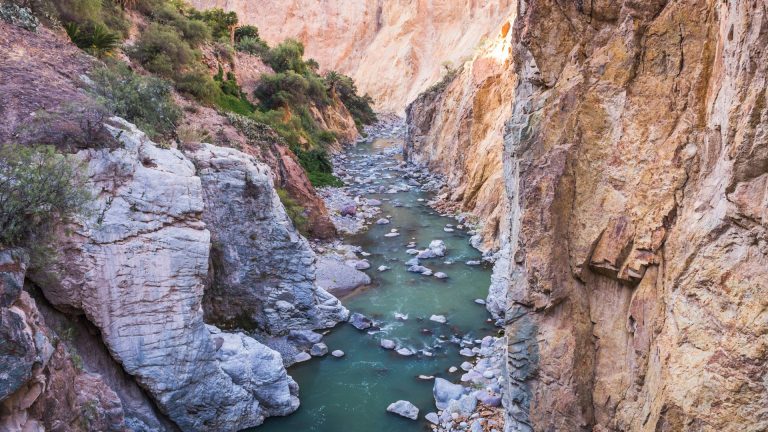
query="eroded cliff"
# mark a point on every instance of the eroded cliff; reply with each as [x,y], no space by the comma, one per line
[636,160]
[393,49]
[456,129]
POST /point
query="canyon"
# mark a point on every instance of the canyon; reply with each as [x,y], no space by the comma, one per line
[608,159]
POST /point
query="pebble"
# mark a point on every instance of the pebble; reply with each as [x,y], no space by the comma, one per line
[338,353]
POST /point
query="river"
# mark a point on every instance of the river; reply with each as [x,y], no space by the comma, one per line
[352,393]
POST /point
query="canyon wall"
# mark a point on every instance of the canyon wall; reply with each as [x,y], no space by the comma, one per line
[456,129]
[636,167]
[393,49]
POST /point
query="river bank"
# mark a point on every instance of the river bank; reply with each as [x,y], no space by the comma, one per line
[424,302]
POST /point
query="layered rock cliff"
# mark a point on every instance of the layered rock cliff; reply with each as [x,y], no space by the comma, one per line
[635,162]
[392,49]
[456,129]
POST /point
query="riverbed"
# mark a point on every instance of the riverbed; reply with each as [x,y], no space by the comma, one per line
[352,393]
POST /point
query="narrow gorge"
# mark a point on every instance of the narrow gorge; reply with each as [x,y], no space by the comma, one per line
[383,215]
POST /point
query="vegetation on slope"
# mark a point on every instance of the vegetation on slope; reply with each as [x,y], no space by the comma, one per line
[170,47]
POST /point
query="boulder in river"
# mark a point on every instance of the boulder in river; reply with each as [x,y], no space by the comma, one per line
[360,321]
[473,263]
[383,268]
[338,278]
[437,247]
[387,344]
[382,221]
[405,352]
[438,319]
[319,349]
[338,353]
[441,275]
[404,409]
[445,391]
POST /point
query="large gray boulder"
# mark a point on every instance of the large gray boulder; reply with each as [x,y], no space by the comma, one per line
[136,266]
[404,409]
[444,391]
[263,274]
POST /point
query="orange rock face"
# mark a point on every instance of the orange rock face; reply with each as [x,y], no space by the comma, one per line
[394,49]
[456,128]
[636,160]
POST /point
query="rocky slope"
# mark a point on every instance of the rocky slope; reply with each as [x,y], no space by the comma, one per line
[136,267]
[456,130]
[636,161]
[392,49]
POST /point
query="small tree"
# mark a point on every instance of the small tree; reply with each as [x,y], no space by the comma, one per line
[38,188]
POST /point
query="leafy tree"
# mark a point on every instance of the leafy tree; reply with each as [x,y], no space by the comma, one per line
[288,56]
[38,188]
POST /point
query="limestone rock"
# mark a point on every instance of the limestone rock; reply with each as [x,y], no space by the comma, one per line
[404,409]
[263,270]
[136,268]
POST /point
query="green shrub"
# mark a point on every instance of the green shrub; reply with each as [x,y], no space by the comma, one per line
[161,50]
[290,89]
[219,21]
[288,56]
[295,212]
[318,167]
[199,84]
[38,188]
[359,106]
[251,45]
[248,31]
[144,101]
[93,38]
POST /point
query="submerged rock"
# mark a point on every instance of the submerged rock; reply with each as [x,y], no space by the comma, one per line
[404,409]
[360,321]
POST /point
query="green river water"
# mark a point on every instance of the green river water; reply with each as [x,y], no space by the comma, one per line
[353,392]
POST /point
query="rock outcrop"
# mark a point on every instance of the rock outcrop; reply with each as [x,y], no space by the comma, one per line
[456,129]
[263,270]
[261,141]
[636,165]
[136,268]
[392,49]
[41,386]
